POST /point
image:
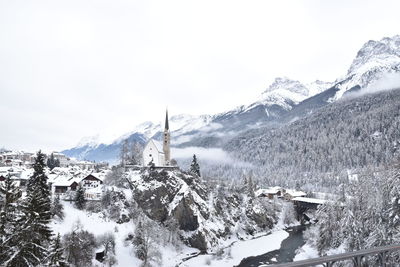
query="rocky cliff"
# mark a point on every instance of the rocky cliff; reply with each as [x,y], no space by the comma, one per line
[204,220]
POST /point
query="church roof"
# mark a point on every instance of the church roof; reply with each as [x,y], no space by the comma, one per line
[158,145]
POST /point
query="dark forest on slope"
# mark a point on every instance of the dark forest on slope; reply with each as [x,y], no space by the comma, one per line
[352,133]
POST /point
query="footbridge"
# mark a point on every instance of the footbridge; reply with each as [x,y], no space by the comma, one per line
[382,255]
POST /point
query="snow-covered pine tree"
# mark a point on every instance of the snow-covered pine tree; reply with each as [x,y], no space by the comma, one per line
[394,204]
[80,201]
[56,257]
[138,241]
[248,185]
[11,195]
[52,162]
[195,167]
[39,176]
[57,209]
[27,246]
[32,234]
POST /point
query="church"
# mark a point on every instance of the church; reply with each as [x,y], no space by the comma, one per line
[157,152]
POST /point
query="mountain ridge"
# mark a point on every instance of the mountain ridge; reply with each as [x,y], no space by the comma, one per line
[283,101]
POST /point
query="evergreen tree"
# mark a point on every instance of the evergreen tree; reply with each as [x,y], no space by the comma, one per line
[52,162]
[57,209]
[248,185]
[194,167]
[10,194]
[56,257]
[7,216]
[138,241]
[39,177]
[80,201]
[27,245]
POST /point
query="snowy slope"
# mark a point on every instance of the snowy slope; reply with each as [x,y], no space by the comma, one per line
[285,92]
[373,61]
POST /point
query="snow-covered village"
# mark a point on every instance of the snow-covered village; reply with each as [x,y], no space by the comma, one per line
[190,134]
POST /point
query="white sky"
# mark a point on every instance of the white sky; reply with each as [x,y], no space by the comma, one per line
[76,68]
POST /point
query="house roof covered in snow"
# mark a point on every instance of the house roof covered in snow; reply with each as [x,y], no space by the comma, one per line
[270,190]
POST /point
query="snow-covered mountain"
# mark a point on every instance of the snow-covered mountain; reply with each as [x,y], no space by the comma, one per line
[374,60]
[283,101]
[286,93]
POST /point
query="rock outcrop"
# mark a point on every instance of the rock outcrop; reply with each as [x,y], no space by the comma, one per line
[203,220]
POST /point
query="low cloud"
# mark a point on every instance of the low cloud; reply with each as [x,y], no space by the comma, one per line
[388,81]
[211,127]
[216,155]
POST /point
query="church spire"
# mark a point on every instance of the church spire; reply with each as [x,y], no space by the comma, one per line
[166,143]
[166,121]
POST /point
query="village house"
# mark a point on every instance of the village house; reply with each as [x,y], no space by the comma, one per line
[64,160]
[65,184]
[61,187]
[291,194]
[270,192]
[19,175]
[91,181]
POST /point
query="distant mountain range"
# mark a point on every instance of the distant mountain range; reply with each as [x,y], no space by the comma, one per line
[284,101]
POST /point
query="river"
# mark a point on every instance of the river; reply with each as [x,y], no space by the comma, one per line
[285,253]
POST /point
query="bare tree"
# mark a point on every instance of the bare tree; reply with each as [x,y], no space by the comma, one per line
[107,240]
[145,241]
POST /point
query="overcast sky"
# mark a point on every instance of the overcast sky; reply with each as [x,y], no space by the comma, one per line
[76,68]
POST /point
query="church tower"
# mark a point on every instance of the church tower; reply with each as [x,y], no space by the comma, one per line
[166,143]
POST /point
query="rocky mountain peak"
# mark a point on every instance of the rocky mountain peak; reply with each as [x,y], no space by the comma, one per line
[382,51]
[284,83]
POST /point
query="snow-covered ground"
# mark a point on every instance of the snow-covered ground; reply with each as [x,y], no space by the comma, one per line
[306,252]
[97,225]
[240,250]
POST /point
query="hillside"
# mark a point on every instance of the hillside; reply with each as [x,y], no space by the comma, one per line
[348,134]
[204,218]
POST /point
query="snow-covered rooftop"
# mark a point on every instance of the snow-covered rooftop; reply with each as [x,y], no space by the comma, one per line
[295,193]
[269,190]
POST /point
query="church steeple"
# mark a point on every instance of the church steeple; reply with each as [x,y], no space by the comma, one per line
[166,121]
[166,143]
